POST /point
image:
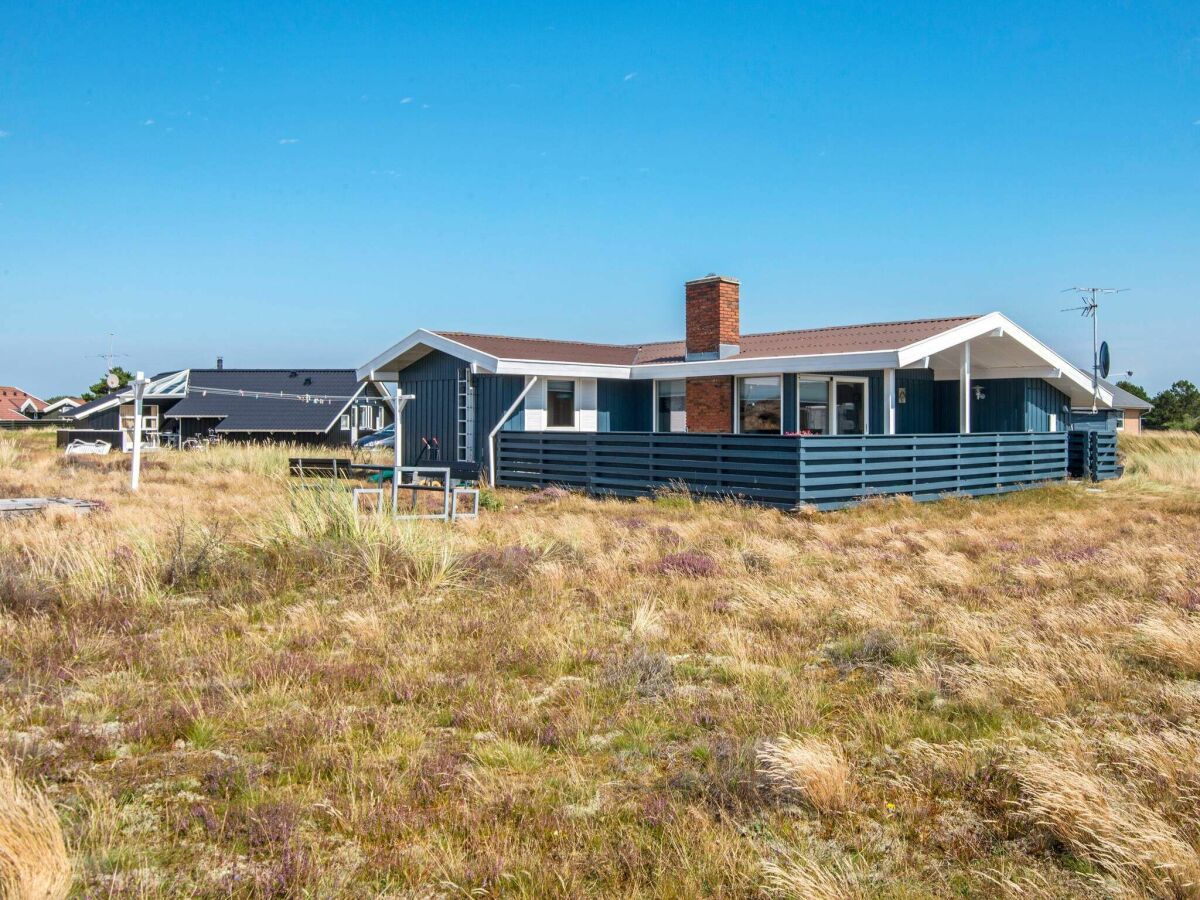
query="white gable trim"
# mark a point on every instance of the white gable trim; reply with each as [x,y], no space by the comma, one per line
[152,392]
[999,323]
[423,337]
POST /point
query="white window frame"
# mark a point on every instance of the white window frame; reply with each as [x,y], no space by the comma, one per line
[737,402]
[831,397]
[344,424]
[576,393]
[464,416]
[1120,420]
[654,417]
[364,416]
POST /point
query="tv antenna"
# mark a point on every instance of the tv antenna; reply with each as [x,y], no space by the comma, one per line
[1090,308]
[110,355]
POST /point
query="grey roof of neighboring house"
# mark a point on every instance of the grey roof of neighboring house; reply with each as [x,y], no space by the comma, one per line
[257,410]
[1122,399]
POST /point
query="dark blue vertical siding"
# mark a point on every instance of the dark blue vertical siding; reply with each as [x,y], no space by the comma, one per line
[494,394]
[1042,399]
[624,405]
[915,415]
[1002,407]
[789,403]
[433,411]
[945,407]
[1008,404]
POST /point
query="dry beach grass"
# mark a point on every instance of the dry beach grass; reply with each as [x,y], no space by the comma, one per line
[228,686]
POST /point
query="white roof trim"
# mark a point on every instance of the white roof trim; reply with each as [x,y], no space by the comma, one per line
[960,334]
[121,394]
[565,369]
[433,341]
[769,365]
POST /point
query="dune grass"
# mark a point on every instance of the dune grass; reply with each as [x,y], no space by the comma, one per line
[228,685]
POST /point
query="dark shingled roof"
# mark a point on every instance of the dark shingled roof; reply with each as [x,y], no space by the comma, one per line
[257,410]
[806,342]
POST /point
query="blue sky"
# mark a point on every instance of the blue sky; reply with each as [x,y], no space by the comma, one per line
[302,184]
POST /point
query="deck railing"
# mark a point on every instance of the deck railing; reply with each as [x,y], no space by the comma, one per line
[826,472]
[1093,455]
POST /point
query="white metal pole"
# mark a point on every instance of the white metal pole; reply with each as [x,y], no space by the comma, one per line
[139,388]
[1095,353]
[889,396]
[964,385]
[396,407]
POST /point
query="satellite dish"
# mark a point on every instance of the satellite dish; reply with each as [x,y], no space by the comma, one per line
[112,380]
[1104,359]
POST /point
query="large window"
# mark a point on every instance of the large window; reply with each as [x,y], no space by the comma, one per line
[812,395]
[845,395]
[759,404]
[670,408]
[560,404]
[851,399]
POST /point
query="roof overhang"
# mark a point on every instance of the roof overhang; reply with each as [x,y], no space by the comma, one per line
[1000,348]
[387,365]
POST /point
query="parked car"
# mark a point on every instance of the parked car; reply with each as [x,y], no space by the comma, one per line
[378,438]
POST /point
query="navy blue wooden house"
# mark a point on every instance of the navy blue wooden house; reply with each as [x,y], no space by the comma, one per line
[954,376]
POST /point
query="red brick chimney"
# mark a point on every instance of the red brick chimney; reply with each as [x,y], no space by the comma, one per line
[713,331]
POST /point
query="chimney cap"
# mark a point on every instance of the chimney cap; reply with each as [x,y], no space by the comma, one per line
[713,276]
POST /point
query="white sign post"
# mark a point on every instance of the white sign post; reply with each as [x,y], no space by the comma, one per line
[139,389]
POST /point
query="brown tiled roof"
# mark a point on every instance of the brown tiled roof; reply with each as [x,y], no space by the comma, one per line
[807,342]
[11,401]
[545,350]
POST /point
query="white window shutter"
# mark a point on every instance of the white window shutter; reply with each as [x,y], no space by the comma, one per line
[535,407]
[586,418]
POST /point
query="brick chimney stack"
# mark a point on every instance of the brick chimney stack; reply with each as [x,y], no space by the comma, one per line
[713,330]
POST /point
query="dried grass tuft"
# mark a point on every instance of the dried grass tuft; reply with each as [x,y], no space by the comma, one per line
[34,864]
[814,769]
[1099,820]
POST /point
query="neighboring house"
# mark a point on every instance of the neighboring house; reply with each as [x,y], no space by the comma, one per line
[1124,414]
[310,406]
[981,373]
[17,405]
[62,408]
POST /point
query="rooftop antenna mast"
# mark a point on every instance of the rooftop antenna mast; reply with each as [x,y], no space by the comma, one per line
[110,355]
[1090,298]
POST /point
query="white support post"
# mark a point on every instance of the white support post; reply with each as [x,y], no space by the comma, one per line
[504,418]
[139,390]
[964,391]
[889,401]
[397,406]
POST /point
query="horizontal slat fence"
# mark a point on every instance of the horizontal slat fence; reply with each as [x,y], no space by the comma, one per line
[1093,455]
[826,472]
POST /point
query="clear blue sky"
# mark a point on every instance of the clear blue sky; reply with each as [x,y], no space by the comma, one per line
[300,184]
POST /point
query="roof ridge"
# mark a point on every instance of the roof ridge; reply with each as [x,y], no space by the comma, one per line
[536,340]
